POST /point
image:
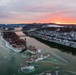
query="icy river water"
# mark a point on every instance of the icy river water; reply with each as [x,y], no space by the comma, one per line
[11,62]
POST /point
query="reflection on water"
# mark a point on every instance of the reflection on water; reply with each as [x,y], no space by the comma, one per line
[53,63]
[53,58]
[61,48]
[56,71]
[12,62]
[72,52]
[62,52]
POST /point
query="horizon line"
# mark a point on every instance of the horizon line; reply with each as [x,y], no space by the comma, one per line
[42,23]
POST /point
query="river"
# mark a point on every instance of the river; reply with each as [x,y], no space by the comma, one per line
[10,61]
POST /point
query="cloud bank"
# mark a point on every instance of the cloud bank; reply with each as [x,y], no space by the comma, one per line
[29,11]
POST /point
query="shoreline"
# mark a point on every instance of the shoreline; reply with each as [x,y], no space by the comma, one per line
[8,45]
[55,45]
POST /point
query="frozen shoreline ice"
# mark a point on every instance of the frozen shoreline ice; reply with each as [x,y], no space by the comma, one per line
[8,45]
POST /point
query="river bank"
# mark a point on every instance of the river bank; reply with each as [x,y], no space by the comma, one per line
[8,45]
[14,41]
[56,45]
[52,43]
[13,66]
[63,55]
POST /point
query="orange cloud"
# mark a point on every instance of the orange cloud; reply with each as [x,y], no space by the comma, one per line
[58,18]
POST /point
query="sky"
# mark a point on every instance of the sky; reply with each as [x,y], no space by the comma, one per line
[38,11]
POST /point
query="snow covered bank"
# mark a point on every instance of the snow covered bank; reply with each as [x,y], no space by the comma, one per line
[8,45]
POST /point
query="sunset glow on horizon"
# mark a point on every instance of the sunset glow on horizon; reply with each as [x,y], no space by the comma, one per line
[38,11]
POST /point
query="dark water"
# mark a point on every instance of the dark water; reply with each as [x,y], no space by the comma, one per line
[11,62]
